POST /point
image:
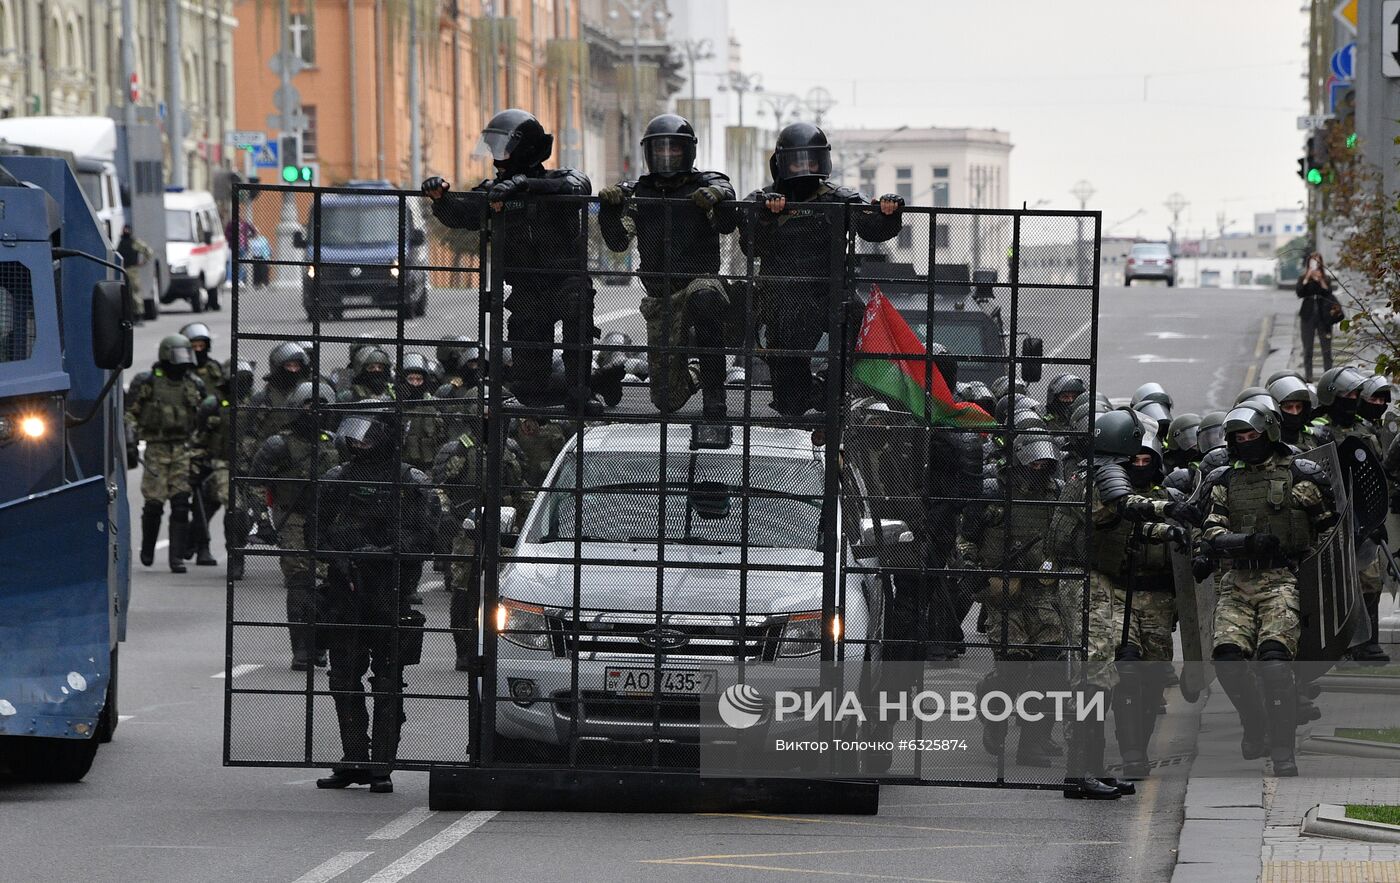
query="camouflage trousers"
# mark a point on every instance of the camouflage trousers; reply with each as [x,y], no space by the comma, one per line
[1033,618]
[1254,606]
[167,472]
[1105,629]
[463,572]
[297,570]
[668,326]
[215,485]
[1372,576]
[133,292]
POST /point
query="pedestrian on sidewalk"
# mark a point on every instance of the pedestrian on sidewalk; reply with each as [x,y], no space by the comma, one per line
[1317,314]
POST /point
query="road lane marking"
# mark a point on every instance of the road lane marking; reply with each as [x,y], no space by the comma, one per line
[123,718]
[333,867]
[433,847]
[1266,329]
[857,824]
[239,670]
[1064,344]
[403,824]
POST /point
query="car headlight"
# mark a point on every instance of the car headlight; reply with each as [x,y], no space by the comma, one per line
[394,269]
[32,426]
[802,635]
[179,270]
[310,272]
[524,625]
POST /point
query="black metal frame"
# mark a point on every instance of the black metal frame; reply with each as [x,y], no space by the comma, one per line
[481,699]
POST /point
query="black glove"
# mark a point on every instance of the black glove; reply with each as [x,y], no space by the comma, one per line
[613,196]
[1201,568]
[1183,513]
[435,186]
[707,198]
[1140,510]
[133,456]
[508,189]
[1263,545]
[1175,534]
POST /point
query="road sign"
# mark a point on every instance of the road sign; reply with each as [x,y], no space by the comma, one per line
[1335,91]
[1314,121]
[286,96]
[246,140]
[1344,61]
[1345,12]
[1390,45]
[267,155]
[294,62]
[295,122]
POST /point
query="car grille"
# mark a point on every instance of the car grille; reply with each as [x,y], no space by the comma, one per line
[342,275]
[598,707]
[679,635]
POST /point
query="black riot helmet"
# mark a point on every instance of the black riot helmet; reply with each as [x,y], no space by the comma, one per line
[1338,383]
[802,154]
[515,141]
[1260,396]
[414,364]
[309,398]
[435,373]
[1117,435]
[1001,384]
[1256,418]
[1295,402]
[175,350]
[1183,441]
[979,394]
[371,435]
[456,352]
[1210,434]
[1143,477]
[283,354]
[1056,391]
[669,145]
[238,378]
[1151,399]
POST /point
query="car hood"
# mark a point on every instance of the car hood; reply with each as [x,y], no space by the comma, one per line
[686,588]
[379,253]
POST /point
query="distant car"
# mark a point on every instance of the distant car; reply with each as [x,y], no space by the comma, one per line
[195,248]
[1150,260]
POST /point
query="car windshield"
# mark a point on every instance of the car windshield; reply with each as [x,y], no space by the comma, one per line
[91,182]
[359,225]
[179,225]
[959,338]
[621,501]
[1150,251]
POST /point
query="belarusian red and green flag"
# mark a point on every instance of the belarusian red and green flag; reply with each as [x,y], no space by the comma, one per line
[916,383]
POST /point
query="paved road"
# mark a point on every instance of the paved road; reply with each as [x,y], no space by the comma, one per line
[158,806]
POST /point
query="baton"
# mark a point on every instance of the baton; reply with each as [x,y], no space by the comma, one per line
[1133,546]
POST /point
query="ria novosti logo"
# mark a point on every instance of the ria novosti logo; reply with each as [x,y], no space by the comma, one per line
[741,706]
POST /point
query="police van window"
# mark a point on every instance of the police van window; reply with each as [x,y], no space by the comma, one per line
[16,313]
[91,183]
[179,225]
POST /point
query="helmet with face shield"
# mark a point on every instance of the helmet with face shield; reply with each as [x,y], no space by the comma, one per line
[669,145]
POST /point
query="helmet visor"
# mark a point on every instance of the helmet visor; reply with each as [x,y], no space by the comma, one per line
[667,154]
[363,432]
[181,355]
[804,162]
[494,144]
[1185,439]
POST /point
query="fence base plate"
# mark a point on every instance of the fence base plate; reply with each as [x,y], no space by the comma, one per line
[570,790]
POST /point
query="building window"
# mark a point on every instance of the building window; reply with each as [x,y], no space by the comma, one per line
[303,37]
[940,187]
[308,136]
[867,179]
[905,191]
[906,237]
[940,236]
[903,173]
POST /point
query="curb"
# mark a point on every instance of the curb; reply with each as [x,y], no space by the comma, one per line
[1358,684]
[1284,344]
[1330,820]
[1327,742]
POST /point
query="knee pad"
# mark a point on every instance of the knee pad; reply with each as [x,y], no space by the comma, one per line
[180,507]
[1228,653]
[1273,651]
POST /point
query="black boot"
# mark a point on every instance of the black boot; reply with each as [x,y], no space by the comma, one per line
[302,651]
[462,618]
[1237,680]
[1096,750]
[344,778]
[179,536]
[384,741]
[1081,781]
[1281,710]
[150,530]
[204,557]
[1130,720]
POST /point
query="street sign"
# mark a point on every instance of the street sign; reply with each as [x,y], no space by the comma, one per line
[1390,45]
[1314,121]
[293,61]
[246,140]
[1335,91]
[1344,61]
[1345,12]
[295,122]
[286,96]
[267,155]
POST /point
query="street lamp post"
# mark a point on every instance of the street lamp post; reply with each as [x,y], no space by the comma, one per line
[1175,204]
[635,8]
[741,84]
[1081,191]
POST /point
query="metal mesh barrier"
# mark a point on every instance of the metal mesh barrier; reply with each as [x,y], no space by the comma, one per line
[638,481]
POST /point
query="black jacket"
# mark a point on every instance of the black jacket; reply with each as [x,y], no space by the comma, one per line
[534,234]
[687,243]
[798,241]
[1314,296]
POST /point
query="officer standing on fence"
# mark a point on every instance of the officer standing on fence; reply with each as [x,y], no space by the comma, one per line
[161,405]
[1264,514]
[286,465]
[542,248]
[372,504]
[791,233]
[678,240]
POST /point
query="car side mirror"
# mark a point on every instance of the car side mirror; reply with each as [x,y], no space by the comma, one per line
[1032,348]
[111,326]
[417,237]
[299,239]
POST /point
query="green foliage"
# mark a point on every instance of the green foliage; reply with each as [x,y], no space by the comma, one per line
[1384,813]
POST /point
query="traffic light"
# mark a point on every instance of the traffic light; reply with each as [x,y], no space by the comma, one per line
[1312,165]
[294,169]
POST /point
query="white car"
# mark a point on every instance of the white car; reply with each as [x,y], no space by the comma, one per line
[195,248]
[619,635]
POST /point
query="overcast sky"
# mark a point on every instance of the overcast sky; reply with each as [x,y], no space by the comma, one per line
[1139,98]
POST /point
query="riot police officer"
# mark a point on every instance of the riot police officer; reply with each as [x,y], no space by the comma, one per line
[678,240]
[790,232]
[426,429]
[286,464]
[1264,513]
[217,442]
[1296,409]
[201,342]
[288,367]
[373,376]
[160,407]
[542,247]
[372,505]
[1060,394]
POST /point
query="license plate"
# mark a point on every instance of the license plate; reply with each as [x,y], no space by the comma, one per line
[643,681]
[358,299]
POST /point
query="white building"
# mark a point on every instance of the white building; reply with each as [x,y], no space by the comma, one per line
[700,29]
[1285,223]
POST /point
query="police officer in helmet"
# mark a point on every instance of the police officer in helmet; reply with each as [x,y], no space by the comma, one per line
[542,247]
[679,239]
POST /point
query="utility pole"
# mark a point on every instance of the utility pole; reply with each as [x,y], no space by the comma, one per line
[635,8]
[174,106]
[289,108]
[1175,204]
[741,84]
[1082,191]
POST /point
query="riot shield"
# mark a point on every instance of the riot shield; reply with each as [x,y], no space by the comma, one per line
[1195,612]
[1366,484]
[1328,589]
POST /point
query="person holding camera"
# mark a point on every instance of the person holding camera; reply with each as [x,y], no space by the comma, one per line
[1317,314]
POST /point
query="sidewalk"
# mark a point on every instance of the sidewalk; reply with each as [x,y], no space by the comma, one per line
[1226,812]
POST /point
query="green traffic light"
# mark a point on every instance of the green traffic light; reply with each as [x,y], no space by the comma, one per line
[290,174]
[306,174]
[1314,176]
[1351,141]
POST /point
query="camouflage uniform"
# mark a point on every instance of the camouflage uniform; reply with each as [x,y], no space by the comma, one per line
[286,464]
[668,328]
[425,433]
[211,372]
[161,410]
[134,254]
[539,442]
